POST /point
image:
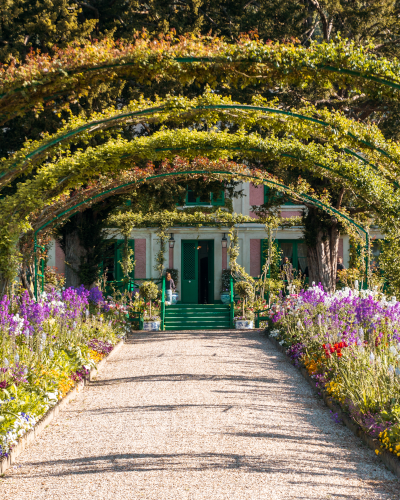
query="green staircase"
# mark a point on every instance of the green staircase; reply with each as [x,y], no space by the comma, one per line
[197,317]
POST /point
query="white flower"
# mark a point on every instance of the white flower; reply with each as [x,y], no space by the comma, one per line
[26,333]
[393,350]
[391,370]
[361,333]
[44,336]
[6,363]
[372,357]
[51,354]
[16,358]
[87,313]
[74,325]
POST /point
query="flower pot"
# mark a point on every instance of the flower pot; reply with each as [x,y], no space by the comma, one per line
[151,326]
[244,324]
[175,298]
[225,297]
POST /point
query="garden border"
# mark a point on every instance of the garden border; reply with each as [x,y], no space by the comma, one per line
[40,426]
[390,460]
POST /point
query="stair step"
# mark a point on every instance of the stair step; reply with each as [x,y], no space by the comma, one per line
[179,328]
[197,317]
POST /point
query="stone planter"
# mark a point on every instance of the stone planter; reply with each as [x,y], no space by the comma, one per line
[151,326]
[225,297]
[244,324]
[175,298]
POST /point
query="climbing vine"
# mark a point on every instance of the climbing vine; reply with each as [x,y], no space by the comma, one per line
[325,144]
[72,71]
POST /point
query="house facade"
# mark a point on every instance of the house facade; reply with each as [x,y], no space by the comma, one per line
[200,254]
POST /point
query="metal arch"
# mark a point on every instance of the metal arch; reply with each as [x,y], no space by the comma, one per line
[184,60]
[276,185]
[199,108]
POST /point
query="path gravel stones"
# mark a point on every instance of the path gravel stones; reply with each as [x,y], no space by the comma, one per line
[198,415]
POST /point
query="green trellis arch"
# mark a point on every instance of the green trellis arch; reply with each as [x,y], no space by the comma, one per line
[18,167]
[276,185]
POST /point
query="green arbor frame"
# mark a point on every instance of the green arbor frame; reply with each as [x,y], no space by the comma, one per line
[375,76]
[115,121]
[279,187]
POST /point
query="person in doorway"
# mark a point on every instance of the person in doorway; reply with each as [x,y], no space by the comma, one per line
[169,287]
[340,267]
[287,269]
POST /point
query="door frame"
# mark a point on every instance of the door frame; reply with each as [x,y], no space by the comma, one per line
[211,269]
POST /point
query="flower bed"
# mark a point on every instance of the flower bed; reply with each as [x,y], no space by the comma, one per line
[349,344]
[46,348]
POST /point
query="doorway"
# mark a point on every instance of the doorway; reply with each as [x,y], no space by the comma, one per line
[197,272]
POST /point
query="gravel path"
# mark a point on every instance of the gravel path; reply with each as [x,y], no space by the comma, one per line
[204,415]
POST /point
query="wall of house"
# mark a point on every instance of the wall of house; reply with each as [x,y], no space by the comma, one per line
[250,236]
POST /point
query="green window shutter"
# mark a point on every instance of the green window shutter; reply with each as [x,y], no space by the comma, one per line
[220,201]
[118,258]
[132,246]
[272,195]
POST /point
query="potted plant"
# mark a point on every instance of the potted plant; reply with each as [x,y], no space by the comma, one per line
[149,291]
[225,293]
[245,322]
[245,290]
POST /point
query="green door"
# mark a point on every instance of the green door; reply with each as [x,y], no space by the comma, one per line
[211,272]
[190,286]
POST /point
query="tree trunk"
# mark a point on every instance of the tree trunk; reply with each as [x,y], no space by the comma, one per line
[74,255]
[322,258]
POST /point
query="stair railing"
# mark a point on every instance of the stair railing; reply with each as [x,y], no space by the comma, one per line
[163,304]
[232,309]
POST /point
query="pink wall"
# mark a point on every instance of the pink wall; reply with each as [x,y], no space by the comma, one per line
[60,259]
[255,257]
[224,258]
[256,197]
[291,213]
[340,250]
[140,257]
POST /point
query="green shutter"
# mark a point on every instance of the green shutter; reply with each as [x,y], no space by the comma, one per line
[118,258]
[189,280]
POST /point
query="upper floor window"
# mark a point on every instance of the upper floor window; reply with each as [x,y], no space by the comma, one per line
[209,199]
[273,195]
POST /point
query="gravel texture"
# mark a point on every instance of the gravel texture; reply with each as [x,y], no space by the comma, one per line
[198,415]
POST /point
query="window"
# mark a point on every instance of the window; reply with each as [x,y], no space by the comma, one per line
[294,250]
[112,258]
[272,194]
[209,199]
[376,249]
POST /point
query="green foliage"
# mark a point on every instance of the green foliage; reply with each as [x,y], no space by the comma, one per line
[245,290]
[226,280]
[292,65]
[149,291]
[327,148]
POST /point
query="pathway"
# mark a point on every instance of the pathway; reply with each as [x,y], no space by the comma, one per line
[187,416]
